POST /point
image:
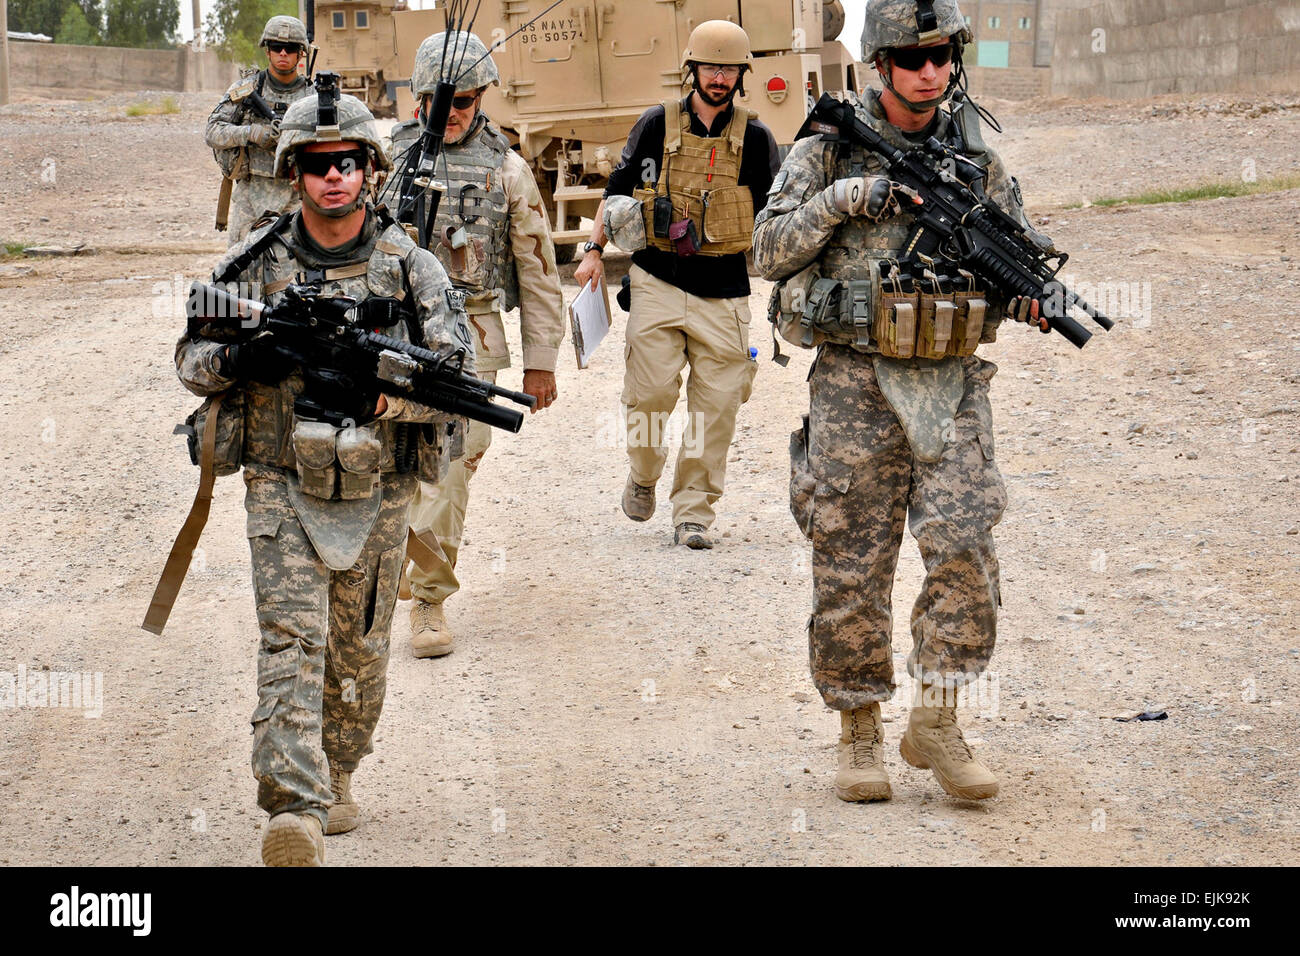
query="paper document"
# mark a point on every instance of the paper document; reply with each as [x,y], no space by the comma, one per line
[590,315]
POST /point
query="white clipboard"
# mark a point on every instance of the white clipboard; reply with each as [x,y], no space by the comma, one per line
[589,315]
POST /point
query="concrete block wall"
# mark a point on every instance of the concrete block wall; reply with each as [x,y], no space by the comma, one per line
[64,66]
[1151,47]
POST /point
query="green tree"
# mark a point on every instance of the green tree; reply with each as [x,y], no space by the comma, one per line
[37,16]
[141,23]
[235,26]
[76,28]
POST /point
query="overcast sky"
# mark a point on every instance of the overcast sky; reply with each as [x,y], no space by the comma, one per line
[852,23]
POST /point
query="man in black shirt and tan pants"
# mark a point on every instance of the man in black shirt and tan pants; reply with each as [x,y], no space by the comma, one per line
[693,176]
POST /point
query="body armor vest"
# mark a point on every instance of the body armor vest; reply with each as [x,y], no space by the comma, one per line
[471,235]
[699,176]
[268,409]
[852,294]
[255,160]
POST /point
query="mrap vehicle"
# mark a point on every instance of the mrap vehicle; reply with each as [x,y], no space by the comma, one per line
[575,81]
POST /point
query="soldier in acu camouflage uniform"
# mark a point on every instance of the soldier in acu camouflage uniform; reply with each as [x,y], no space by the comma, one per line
[492,236]
[243,141]
[891,439]
[326,506]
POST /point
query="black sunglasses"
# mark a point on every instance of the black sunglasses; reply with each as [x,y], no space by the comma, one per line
[284,47]
[346,161]
[464,101]
[914,59]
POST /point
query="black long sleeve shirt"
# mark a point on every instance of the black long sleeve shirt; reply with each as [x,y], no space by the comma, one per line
[710,277]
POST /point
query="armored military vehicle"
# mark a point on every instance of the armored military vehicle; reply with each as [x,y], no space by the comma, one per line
[574,82]
[357,39]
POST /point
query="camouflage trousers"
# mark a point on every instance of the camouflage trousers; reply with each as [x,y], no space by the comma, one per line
[323,660]
[854,482]
[441,508]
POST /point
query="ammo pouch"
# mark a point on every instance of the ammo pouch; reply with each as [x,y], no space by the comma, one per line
[928,325]
[340,463]
[809,309]
[228,454]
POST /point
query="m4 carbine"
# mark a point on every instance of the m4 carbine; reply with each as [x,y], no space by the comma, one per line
[957,226]
[347,364]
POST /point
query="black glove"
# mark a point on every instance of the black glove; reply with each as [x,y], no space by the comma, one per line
[258,360]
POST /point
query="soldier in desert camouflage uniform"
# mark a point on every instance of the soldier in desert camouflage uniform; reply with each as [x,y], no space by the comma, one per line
[326,506]
[492,236]
[243,142]
[890,439]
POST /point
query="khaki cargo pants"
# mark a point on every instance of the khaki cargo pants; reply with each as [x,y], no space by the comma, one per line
[323,660]
[441,508]
[666,329]
[853,485]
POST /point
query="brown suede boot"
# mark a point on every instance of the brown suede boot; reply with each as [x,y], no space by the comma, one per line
[293,839]
[933,741]
[344,814]
[430,635]
[862,773]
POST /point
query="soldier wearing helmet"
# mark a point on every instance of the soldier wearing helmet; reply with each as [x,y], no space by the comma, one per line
[243,141]
[493,238]
[682,200]
[900,425]
[326,506]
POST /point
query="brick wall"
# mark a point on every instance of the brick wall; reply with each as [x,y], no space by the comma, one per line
[115,69]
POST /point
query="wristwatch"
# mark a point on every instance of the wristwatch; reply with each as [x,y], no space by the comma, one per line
[589,246]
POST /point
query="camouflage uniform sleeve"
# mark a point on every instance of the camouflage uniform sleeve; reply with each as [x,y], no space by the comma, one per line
[541,303]
[798,219]
[440,310]
[222,131]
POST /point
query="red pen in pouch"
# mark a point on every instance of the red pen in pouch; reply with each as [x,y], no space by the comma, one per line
[712,154]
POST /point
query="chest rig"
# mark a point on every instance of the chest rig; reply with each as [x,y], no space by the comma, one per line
[865,291]
[697,207]
[473,224]
[256,161]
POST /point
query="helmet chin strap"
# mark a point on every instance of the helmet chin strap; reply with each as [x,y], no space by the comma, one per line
[340,211]
[923,106]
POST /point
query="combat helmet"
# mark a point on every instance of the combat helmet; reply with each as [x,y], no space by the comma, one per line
[330,117]
[284,30]
[718,41]
[721,42]
[467,55]
[904,23]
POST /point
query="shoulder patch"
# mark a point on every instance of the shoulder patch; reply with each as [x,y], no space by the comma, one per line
[456,300]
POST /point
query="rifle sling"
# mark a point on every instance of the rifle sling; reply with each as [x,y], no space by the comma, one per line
[245,258]
[178,561]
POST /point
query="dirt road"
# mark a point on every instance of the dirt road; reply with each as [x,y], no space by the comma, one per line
[615,700]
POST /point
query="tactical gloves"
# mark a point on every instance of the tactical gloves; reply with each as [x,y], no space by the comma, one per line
[257,359]
[261,136]
[872,197]
[1021,309]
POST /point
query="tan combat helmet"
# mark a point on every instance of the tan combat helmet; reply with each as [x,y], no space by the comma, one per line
[904,23]
[467,59]
[718,41]
[304,124]
[284,30]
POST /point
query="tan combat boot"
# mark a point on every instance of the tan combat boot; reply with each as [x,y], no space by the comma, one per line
[293,839]
[862,773]
[933,741]
[404,584]
[638,500]
[344,814]
[430,635]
